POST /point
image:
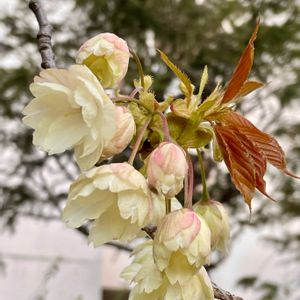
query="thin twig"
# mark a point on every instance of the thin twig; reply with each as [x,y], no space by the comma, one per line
[139,140]
[44,35]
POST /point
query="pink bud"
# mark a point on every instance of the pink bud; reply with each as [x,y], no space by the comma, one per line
[182,225]
[166,169]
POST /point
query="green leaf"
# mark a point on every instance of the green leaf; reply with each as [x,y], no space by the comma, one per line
[166,103]
[206,105]
[156,126]
[187,133]
[210,101]
[139,113]
[203,82]
[217,154]
[148,99]
[195,138]
[181,75]
[179,108]
[176,125]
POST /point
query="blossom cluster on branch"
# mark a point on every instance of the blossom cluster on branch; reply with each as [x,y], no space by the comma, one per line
[81,108]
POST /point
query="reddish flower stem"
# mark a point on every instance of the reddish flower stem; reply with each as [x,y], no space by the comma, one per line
[134,92]
[138,141]
[165,125]
[186,190]
[189,184]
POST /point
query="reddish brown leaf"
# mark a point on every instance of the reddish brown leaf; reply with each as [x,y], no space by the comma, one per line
[248,87]
[242,70]
[259,160]
[264,142]
[240,164]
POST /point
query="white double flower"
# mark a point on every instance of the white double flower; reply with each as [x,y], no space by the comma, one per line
[116,197]
[71,110]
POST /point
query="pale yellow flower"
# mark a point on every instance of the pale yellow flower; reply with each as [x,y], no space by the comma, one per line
[107,56]
[116,196]
[123,135]
[181,245]
[143,270]
[166,169]
[216,218]
[70,110]
[151,284]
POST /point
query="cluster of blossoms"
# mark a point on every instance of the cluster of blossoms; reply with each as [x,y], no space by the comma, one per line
[82,109]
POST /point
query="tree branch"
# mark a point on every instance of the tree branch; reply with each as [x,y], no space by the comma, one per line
[222,294]
[44,35]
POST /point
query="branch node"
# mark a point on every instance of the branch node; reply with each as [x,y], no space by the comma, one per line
[44,35]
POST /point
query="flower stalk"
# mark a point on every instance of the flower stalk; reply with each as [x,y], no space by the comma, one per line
[139,66]
[189,186]
[165,126]
[138,141]
[205,194]
[126,99]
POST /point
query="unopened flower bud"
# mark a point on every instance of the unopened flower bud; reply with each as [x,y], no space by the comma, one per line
[107,56]
[166,169]
[181,245]
[216,218]
[147,83]
[123,135]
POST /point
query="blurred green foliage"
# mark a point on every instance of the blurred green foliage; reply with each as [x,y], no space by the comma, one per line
[193,34]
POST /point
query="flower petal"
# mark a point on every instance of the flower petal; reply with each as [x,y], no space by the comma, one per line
[104,230]
[83,208]
[134,206]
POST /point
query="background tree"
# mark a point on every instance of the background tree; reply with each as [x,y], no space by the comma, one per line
[193,34]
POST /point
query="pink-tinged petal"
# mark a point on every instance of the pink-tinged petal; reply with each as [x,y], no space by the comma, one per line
[163,174]
[183,234]
[179,269]
[107,56]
